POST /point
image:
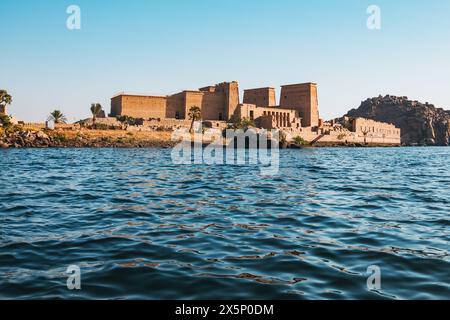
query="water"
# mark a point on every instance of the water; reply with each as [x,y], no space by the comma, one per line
[140,227]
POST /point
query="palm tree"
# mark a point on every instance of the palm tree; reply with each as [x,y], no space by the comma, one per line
[96,108]
[5,99]
[58,117]
[195,114]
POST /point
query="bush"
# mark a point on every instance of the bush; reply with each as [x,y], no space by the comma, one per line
[5,121]
[341,136]
[130,120]
[99,126]
[300,141]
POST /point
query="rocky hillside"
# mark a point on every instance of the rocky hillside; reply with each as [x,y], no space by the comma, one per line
[421,123]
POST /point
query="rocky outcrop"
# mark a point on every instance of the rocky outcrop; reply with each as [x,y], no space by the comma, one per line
[25,139]
[51,139]
[420,123]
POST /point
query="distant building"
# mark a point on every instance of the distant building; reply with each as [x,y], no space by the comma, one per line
[297,112]
[217,103]
[298,105]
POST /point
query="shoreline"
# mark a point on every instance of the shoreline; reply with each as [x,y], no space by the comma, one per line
[81,138]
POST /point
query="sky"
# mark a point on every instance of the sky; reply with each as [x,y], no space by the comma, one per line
[162,47]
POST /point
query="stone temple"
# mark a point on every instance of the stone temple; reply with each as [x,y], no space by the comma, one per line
[298,105]
[297,112]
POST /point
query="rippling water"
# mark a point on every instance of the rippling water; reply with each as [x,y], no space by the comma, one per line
[142,228]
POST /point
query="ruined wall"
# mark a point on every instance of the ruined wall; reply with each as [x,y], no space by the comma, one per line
[262,97]
[372,128]
[339,137]
[303,98]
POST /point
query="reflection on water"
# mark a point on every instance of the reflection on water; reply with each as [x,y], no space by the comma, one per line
[142,228]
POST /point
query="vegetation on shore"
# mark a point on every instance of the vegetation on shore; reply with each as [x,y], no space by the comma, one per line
[57,117]
[130,121]
[5,99]
[194,114]
[96,109]
[300,141]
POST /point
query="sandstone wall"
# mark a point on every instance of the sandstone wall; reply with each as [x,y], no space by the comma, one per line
[116,106]
[375,129]
[263,97]
[135,106]
[176,108]
[231,90]
[303,98]
[217,103]
[212,104]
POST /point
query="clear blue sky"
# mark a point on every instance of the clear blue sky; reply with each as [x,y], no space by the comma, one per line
[161,47]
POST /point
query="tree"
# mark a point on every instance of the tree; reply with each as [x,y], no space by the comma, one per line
[96,108]
[58,117]
[195,114]
[365,132]
[5,99]
[5,120]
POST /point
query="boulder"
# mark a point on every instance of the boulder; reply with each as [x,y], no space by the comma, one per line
[3,145]
[41,135]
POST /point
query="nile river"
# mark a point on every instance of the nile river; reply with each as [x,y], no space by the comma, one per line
[140,227]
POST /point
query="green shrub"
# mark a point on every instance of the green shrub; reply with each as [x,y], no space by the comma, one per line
[5,121]
[126,120]
[99,126]
[300,141]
